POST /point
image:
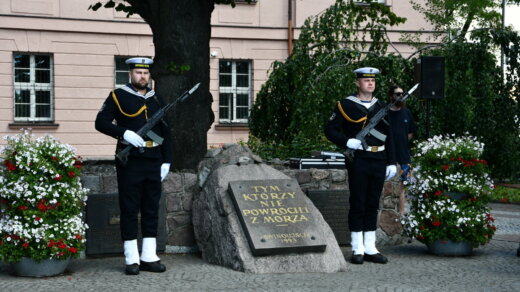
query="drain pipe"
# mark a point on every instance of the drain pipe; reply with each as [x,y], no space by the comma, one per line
[289,28]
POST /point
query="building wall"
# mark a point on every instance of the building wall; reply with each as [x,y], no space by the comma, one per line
[83,44]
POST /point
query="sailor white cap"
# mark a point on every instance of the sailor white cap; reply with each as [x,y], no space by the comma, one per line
[366,72]
[139,63]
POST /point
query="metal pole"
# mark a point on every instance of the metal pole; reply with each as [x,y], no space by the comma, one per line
[502,57]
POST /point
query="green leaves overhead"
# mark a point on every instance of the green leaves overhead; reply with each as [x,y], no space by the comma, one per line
[123,6]
[459,16]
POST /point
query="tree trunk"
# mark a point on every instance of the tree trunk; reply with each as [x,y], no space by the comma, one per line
[181,34]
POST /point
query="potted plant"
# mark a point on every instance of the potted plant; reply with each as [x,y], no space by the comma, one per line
[41,223]
[449,192]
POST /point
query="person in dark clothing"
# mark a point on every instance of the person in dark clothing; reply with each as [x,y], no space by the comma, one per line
[139,181]
[403,127]
[369,167]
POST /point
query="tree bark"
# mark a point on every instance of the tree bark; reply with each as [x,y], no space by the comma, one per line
[181,35]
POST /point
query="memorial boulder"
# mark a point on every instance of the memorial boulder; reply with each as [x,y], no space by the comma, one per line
[251,217]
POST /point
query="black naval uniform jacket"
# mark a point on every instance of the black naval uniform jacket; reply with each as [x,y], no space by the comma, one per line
[349,117]
[130,102]
[366,172]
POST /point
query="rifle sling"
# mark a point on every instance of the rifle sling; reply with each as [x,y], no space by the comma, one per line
[378,135]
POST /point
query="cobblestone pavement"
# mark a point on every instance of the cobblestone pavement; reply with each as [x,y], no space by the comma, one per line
[494,267]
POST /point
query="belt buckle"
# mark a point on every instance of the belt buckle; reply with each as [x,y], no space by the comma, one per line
[148,144]
[374,148]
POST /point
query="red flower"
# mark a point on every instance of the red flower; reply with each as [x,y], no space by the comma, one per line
[62,245]
[436,223]
[489,217]
[58,178]
[61,253]
[78,164]
[504,200]
[10,166]
[451,158]
[37,218]
[473,199]
[41,206]
[78,237]
[438,193]
[72,174]
[25,245]
[22,207]
[445,167]
[459,159]
[73,249]
[54,158]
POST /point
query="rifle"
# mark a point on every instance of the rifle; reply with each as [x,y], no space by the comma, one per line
[146,130]
[369,128]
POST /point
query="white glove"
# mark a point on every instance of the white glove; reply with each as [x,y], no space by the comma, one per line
[354,144]
[391,170]
[165,169]
[133,139]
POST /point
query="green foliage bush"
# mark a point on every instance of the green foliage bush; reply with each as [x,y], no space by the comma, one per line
[478,100]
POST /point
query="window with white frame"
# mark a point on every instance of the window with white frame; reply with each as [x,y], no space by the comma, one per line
[365,2]
[33,88]
[121,77]
[234,91]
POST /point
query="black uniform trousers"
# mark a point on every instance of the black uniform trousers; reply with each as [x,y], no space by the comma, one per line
[139,184]
[366,177]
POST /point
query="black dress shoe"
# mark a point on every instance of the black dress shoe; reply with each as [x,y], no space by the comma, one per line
[155,267]
[132,269]
[376,258]
[356,259]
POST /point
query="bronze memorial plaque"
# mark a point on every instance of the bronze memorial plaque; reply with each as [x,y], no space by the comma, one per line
[276,217]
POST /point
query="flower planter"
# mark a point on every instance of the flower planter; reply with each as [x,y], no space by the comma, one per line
[450,248]
[449,190]
[42,200]
[30,268]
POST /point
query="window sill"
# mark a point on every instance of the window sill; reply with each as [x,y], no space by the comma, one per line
[253,2]
[34,125]
[368,4]
[230,126]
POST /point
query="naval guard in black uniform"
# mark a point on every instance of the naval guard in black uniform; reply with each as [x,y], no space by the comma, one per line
[139,181]
[369,167]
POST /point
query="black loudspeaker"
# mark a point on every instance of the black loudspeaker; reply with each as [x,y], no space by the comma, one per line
[429,72]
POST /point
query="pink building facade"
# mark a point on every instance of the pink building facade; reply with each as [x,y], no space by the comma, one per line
[59,61]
